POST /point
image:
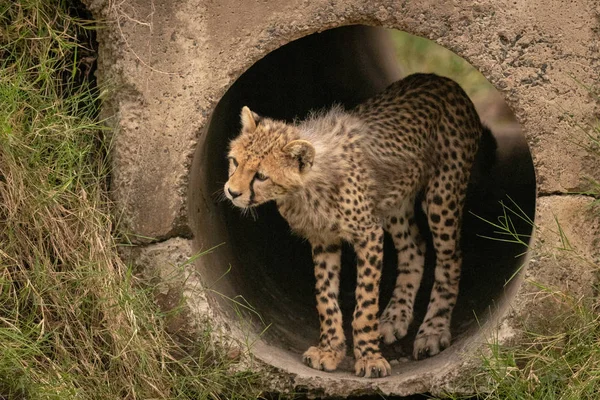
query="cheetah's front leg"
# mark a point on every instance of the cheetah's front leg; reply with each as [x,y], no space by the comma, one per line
[369,361]
[332,343]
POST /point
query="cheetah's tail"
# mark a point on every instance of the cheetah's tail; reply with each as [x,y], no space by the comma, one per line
[485,158]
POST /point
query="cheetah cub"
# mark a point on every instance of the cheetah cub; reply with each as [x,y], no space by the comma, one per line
[350,175]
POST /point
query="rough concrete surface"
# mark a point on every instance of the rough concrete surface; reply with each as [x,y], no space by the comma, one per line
[565,257]
[166,266]
[168,63]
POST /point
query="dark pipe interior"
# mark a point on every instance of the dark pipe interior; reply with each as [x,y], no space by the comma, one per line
[271,269]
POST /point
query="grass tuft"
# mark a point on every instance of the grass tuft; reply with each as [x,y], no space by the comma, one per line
[74,321]
[563,364]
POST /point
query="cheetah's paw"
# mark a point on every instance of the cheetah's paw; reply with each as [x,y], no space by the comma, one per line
[392,330]
[430,344]
[372,366]
[323,359]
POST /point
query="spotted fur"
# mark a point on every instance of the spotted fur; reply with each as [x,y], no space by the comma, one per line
[348,175]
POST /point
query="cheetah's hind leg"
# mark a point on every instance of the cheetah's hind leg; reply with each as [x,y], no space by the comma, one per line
[410,247]
[444,214]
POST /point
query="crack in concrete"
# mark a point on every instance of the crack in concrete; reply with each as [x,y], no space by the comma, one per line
[163,239]
[566,194]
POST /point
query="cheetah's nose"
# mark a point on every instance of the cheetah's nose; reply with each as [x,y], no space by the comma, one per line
[233,194]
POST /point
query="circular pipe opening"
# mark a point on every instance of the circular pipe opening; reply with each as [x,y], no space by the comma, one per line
[266,273]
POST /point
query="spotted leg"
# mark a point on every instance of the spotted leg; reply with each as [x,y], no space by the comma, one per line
[410,247]
[365,325]
[332,343]
[444,212]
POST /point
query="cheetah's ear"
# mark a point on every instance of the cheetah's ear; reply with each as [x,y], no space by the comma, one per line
[302,152]
[249,119]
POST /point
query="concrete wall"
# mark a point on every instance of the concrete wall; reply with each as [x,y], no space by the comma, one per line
[171,62]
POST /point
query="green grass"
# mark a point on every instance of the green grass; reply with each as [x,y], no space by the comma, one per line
[563,364]
[75,322]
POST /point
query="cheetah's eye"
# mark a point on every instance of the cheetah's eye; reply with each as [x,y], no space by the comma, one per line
[261,177]
[233,161]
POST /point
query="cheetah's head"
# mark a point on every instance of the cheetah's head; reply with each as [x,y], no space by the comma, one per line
[267,161]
